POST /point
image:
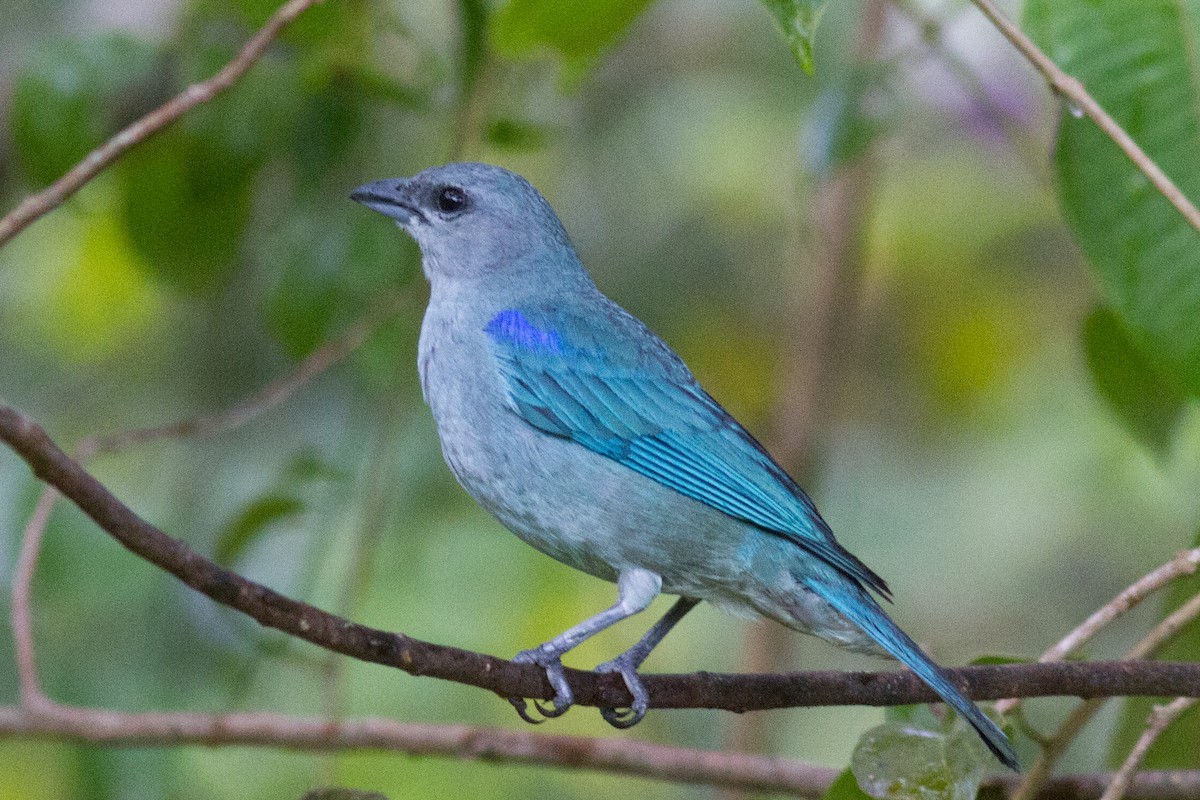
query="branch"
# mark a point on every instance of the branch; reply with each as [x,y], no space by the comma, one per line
[931,33]
[613,755]
[701,690]
[1078,97]
[1160,719]
[22,585]
[1057,744]
[243,412]
[36,206]
[1149,785]
[617,756]
[1183,564]
[1127,599]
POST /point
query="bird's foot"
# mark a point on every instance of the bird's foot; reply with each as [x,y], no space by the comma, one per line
[626,717]
[551,662]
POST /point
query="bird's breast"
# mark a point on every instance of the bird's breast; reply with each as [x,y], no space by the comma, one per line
[579,507]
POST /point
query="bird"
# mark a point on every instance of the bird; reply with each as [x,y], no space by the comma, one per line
[588,437]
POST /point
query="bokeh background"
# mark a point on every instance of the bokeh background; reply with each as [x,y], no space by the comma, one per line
[952,436]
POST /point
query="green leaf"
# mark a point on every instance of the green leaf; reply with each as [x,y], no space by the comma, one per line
[327,122]
[307,466]
[319,24]
[248,121]
[73,94]
[797,20]
[901,713]
[255,519]
[187,191]
[917,715]
[283,503]
[374,85]
[578,30]
[900,761]
[845,787]
[1148,403]
[1142,68]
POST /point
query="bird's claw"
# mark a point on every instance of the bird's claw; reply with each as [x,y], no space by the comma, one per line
[622,717]
[522,707]
[563,697]
[626,717]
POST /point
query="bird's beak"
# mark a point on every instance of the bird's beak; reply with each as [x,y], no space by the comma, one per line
[391,197]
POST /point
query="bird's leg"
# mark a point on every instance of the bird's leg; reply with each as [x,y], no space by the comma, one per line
[628,662]
[636,588]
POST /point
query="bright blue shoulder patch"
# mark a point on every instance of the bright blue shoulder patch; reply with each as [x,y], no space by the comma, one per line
[512,328]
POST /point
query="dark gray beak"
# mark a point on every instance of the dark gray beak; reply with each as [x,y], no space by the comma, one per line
[391,197]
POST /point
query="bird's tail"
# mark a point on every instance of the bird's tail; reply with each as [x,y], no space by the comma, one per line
[861,609]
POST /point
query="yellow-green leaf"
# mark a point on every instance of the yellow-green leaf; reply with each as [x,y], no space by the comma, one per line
[797,20]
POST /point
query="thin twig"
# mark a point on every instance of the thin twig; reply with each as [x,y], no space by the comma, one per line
[22,592]
[700,690]
[616,756]
[38,205]
[823,312]
[262,401]
[932,35]
[1062,738]
[243,412]
[1077,96]
[1160,719]
[1182,565]
[1167,630]
[1035,777]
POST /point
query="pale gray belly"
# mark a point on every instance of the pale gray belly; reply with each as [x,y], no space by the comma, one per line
[577,506]
[598,516]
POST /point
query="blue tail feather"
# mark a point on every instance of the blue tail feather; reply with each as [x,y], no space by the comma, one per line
[861,609]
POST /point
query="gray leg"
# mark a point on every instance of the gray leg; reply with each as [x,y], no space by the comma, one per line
[628,662]
[636,589]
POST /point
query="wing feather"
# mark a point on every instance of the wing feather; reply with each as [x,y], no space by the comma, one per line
[642,408]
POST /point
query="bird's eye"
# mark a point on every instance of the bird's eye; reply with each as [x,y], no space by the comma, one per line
[451,199]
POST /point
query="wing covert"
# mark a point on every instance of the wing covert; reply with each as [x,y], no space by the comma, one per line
[644,410]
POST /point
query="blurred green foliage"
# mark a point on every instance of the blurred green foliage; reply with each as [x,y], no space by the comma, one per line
[976,448]
[71,95]
[577,30]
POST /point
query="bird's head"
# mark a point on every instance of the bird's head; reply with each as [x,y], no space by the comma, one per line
[475,221]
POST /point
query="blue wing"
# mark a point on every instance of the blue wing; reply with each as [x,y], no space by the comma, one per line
[630,398]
